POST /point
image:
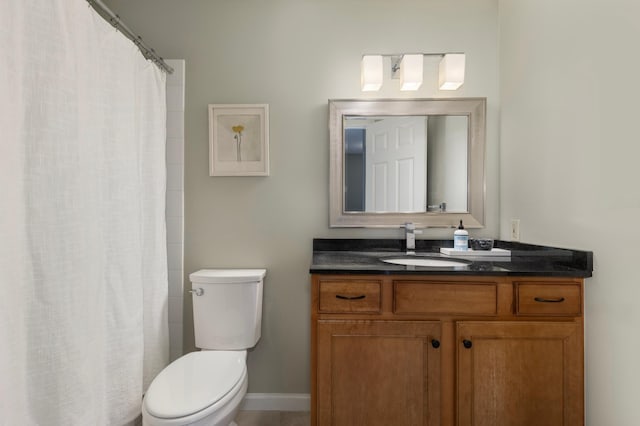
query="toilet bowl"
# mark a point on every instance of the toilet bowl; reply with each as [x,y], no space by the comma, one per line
[206,388]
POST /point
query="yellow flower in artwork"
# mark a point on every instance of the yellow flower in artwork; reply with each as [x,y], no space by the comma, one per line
[238,137]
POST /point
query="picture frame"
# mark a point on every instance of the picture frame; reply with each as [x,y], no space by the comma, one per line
[238,140]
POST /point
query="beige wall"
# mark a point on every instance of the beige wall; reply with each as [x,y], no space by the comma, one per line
[569,166]
[295,55]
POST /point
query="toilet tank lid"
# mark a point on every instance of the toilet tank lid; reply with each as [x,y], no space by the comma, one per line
[219,276]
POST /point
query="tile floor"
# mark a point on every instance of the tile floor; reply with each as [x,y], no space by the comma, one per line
[273,418]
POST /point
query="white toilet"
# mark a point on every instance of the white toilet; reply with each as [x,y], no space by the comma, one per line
[206,388]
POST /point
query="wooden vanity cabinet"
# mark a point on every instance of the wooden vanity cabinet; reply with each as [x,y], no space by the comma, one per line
[519,373]
[411,350]
[378,372]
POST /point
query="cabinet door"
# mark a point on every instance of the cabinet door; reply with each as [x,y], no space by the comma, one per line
[520,373]
[378,373]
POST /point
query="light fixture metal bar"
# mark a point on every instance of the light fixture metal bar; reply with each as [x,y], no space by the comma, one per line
[392,55]
[395,66]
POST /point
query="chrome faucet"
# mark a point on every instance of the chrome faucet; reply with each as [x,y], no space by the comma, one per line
[410,236]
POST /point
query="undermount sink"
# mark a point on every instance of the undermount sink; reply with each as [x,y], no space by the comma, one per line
[441,263]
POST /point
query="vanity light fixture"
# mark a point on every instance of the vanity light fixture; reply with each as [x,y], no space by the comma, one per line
[409,68]
[411,72]
[371,73]
[451,71]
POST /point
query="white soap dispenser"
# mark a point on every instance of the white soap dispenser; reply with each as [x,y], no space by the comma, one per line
[461,238]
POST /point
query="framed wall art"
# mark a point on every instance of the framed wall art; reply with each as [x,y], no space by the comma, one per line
[238,140]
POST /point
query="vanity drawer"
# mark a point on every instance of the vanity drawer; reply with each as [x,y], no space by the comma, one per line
[419,297]
[538,298]
[357,296]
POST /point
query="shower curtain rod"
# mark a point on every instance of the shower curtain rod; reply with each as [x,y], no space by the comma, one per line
[117,23]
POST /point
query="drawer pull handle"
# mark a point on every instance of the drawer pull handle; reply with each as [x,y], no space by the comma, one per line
[467,343]
[339,296]
[544,300]
[435,343]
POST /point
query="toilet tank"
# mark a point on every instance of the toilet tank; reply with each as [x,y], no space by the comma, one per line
[227,311]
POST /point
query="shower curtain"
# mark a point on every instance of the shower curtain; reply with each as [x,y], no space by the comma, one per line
[83,274]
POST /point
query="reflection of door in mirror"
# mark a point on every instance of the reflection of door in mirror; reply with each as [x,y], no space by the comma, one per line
[406,163]
[385,164]
[396,165]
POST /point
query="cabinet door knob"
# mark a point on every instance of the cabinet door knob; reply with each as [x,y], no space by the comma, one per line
[339,296]
[467,343]
[435,343]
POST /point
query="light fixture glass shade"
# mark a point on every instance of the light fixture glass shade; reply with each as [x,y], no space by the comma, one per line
[451,71]
[371,73]
[411,72]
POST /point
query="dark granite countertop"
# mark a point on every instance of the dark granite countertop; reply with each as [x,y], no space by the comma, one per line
[363,256]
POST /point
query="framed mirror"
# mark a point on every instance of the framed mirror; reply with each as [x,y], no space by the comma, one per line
[416,160]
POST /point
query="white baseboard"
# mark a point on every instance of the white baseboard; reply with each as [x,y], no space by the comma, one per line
[276,402]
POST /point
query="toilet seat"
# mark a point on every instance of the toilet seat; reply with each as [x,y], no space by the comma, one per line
[195,382]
